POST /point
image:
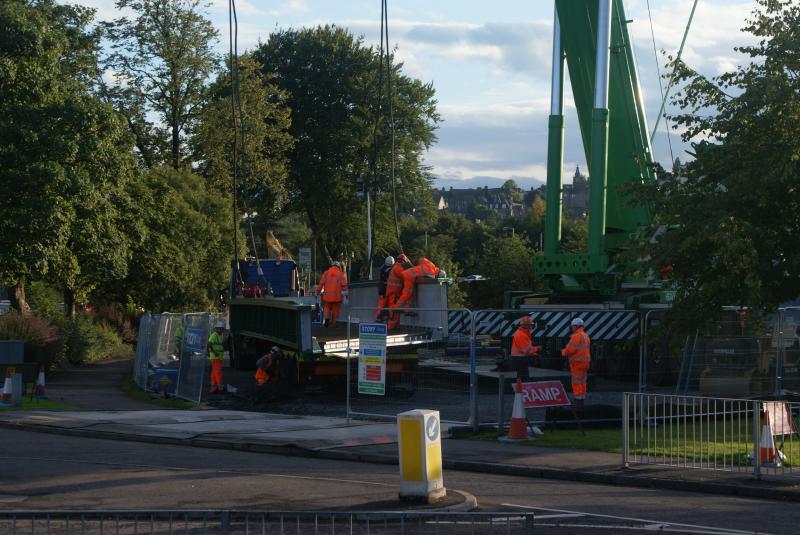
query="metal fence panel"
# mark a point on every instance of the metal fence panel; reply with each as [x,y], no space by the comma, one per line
[724,434]
[192,351]
[193,522]
[429,365]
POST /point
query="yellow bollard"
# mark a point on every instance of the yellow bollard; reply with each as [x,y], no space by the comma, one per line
[420,443]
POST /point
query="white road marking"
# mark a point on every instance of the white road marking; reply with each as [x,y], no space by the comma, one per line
[564,515]
[648,522]
[673,529]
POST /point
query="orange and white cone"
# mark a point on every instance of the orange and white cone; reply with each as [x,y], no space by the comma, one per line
[8,388]
[767,456]
[519,428]
[39,390]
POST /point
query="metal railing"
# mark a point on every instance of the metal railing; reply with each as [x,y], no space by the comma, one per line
[732,435]
[222,522]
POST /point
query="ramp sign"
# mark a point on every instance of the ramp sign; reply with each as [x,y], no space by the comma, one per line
[372,358]
[544,394]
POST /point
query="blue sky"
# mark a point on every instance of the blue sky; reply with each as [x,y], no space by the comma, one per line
[490,64]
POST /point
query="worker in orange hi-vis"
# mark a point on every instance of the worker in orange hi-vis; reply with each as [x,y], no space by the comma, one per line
[267,366]
[383,281]
[577,351]
[394,288]
[522,349]
[333,288]
[424,270]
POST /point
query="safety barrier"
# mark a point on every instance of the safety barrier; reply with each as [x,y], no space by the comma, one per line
[171,354]
[191,522]
[732,435]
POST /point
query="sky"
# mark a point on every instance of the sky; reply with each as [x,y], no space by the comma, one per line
[490,62]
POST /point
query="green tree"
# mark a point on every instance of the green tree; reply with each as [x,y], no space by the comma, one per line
[332,80]
[65,156]
[162,58]
[264,163]
[735,210]
[183,264]
[507,262]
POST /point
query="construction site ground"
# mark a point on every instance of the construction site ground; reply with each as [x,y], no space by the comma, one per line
[355,440]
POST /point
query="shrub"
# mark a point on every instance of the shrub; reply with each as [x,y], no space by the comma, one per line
[89,342]
[43,343]
[122,322]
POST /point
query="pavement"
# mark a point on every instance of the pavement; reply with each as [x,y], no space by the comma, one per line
[372,442]
[354,440]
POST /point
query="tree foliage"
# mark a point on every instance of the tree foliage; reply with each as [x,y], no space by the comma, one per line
[65,155]
[734,209]
[263,162]
[161,58]
[332,80]
[183,262]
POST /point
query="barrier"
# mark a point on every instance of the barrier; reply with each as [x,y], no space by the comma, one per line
[170,354]
[707,433]
[224,522]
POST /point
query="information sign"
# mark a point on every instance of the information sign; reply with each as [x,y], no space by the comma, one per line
[544,394]
[372,358]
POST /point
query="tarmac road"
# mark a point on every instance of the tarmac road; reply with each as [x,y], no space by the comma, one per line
[44,471]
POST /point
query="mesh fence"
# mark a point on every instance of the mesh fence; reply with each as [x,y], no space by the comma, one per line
[171,354]
[197,522]
[427,363]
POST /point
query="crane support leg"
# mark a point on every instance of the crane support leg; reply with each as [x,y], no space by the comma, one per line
[555,146]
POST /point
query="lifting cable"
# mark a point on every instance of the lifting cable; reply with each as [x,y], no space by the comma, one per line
[389,98]
[660,83]
[678,58]
[238,131]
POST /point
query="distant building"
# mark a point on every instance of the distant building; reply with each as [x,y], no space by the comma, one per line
[576,196]
[467,201]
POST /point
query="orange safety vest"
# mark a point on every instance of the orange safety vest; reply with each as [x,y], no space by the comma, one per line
[333,285]
[394,284]
[426,269]
[577,349]
[521,345]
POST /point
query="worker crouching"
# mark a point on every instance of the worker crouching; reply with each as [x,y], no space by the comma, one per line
[578,353]
[424,270]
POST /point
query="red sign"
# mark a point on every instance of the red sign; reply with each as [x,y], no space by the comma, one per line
[373,373]
[544,394]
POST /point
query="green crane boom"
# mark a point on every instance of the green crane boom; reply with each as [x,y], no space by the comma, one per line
[592,37]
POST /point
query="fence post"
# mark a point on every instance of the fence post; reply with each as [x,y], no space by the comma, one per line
[224,522]
[779,356]
[625,425]
[528,524]
[473,377]
[756,439]
[348,352]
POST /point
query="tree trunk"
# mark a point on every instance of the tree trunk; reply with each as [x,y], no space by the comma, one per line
[16,294]
[69,303]
[176,147]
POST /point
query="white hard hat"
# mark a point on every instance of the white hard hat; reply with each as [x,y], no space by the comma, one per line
[442,274]
[275,350]
[577,322]
[336,263]
[389,261]
[219,325]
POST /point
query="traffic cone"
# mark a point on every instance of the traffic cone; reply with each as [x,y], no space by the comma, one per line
[767,456]
[519,428]
[39,390]
[8,388]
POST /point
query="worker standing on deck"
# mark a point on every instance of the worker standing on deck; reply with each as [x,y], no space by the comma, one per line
[424,270]
[215,354]
[577,351]
[394,288]
[386,268]
[522,349]
[333,288]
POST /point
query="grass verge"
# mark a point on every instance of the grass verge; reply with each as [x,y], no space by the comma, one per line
[132,390]
[34,404]
[717,445]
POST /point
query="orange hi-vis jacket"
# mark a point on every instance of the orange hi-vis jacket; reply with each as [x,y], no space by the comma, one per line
[426,269]
[577,350]
[394,284]
[333,285]
[521,345]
